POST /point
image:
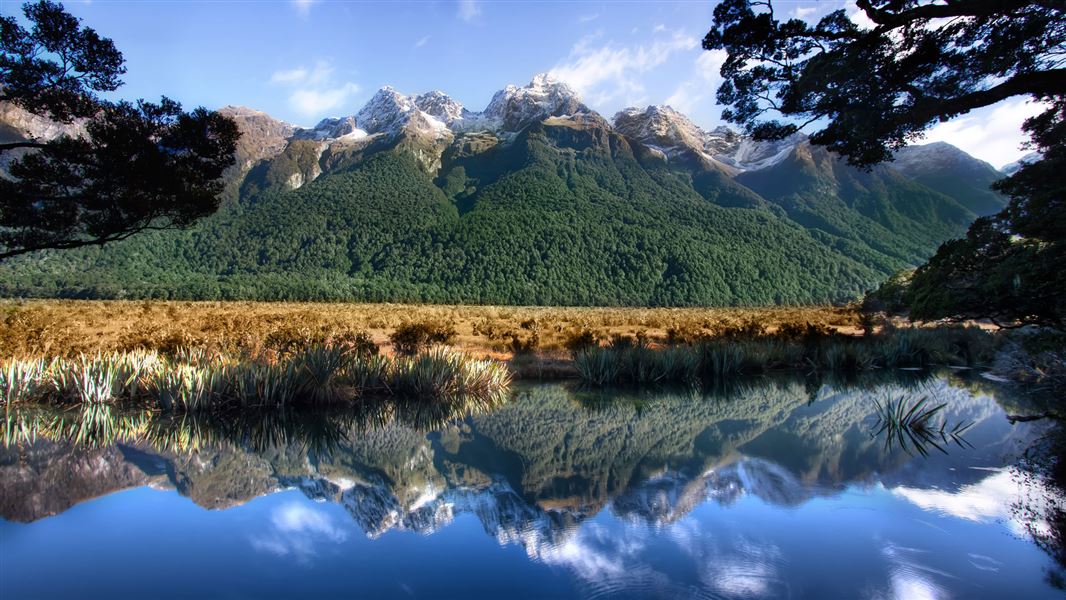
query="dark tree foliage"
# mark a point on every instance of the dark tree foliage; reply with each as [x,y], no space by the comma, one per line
[55,67]
[877,89]
[1009,268]
[138,166]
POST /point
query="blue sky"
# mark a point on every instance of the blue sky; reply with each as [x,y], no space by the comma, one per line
[302,60]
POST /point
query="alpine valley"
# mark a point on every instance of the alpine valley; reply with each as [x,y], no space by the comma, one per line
[537,199]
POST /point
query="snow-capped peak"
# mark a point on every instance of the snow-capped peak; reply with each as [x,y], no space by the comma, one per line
[385,112]
[442,106]
[661,127]
[516,107]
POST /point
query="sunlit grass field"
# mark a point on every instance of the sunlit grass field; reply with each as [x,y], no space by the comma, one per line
[69,328]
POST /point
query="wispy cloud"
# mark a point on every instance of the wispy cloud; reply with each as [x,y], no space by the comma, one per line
[802,12]
[603,73]
[303,6]
[702,84]
[314,91]
[469,10]
[588,18]
[422,42]
[295,530]
[659,28]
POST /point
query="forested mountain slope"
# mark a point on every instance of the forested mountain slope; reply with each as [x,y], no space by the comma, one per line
[536,200]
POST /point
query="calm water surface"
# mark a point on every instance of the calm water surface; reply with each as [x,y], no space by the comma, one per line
[775,489]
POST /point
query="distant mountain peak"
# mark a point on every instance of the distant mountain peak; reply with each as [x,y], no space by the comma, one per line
[1012,168]
[513,107]
[675,135]
[385,112]
[441,106]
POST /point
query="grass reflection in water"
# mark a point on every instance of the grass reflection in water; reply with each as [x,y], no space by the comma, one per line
[913,425]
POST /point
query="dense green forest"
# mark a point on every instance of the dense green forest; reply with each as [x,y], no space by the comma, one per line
[561,215]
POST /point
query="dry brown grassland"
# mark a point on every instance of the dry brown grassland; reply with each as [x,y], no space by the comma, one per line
[65,328]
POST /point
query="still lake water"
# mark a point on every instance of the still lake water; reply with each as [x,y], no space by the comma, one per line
[774,489]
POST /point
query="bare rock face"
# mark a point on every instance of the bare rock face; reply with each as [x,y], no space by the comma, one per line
[17,124]
[262,136]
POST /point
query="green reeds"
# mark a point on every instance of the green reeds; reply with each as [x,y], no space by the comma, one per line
[444,373]
[191,381]
[22,380]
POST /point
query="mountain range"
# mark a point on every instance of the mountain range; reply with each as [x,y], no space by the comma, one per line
[537,199]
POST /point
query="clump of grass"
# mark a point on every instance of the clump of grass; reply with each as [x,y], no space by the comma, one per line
[92,380]
[318,372]
[444,373]
[22,380]
[598,366]
[913,425]
[581,339]
[260,384]
[368,373]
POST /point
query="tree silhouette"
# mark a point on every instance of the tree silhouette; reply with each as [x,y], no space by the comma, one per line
[874,89]
[138,166]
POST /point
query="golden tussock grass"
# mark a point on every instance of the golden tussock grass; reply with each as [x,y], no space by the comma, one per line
[67,328]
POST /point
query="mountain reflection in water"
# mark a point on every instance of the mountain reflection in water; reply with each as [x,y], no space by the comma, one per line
[772,488]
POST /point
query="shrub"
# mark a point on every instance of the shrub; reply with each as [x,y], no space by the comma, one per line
[410,338]
[358,343]
[580,340]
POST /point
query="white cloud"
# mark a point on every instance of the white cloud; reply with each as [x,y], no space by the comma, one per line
[469,10]
[588,18]
[422,42]
[802,12]
[989,500]
[314,91]
[702,84]
[318,102]
[291,76]
[302,6]
[610,72]
[295,529]
[992,133]
[659,28]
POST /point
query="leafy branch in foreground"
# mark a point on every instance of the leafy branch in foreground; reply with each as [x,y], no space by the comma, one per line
[877,88]
[138,166]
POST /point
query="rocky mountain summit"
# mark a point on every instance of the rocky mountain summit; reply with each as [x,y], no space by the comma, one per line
[678,138]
